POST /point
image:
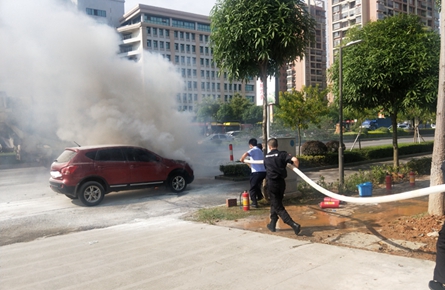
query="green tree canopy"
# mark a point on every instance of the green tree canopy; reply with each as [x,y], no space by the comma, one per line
[393,68]
[297,109]
[253,38]
[208,109]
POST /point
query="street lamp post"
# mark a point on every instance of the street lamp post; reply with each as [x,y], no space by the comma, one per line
[341,169]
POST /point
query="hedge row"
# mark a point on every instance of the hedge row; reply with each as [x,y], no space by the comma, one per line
[331,158]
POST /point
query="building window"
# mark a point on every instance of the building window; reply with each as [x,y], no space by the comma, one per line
[183,24]
[155,31]
[149,30]
[155,44]
[157,20]
[204,27]
[249,88]
[148,43]
[96,12]
[167,45]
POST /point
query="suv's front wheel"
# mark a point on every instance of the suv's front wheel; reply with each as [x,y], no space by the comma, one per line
[177,182]
[91,193]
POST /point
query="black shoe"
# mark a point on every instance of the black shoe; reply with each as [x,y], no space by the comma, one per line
[271,227]
[296,227]
[259,197]
[254,205]
[434,285]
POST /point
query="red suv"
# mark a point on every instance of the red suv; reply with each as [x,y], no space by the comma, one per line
[88,173]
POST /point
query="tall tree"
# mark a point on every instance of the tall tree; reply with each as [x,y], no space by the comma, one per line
[436,201]
[239,104]
[208,109]
[394,67]
[253,38]
[297,109]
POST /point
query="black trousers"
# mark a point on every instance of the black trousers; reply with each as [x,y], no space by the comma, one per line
[256,182]
[276,188]
[439,270]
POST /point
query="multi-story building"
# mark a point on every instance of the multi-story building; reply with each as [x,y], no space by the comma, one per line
[344,14]
[311,70]
[183,39]
[104,11]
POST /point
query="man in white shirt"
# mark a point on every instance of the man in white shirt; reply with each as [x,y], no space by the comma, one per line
[258,172]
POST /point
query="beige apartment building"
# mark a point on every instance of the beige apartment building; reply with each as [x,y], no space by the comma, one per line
[183,39]
[347,13]
[311,70]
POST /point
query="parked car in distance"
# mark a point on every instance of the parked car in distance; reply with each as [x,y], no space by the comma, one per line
[216,139]
[233,134]
[433,126]
[369,124]
[89,173]
[405,126]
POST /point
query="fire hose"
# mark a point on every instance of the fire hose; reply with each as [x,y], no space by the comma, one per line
[362,200]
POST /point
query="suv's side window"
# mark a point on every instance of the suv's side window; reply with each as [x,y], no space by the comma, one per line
[140,155]
[111,154]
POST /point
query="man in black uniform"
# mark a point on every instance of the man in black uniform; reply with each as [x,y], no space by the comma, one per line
[275,162]
[439,270]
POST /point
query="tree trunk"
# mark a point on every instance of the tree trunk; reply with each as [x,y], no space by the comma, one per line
[265,133]
[435,202]
[299,140]
[395,145]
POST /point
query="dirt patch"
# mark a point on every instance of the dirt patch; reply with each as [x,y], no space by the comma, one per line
[400,228]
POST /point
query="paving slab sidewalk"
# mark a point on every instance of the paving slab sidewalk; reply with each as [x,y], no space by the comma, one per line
[169,253]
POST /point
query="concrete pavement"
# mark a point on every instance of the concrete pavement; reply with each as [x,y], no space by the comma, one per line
[169,253]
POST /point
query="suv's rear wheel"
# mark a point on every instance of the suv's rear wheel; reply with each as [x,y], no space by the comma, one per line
[91,193]
[177,182]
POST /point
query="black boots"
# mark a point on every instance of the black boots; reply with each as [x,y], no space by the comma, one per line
[296,227]
[272,225]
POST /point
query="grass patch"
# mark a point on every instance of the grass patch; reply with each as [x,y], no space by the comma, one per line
[214,214]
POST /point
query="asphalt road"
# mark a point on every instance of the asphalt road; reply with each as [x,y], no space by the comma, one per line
[29,209]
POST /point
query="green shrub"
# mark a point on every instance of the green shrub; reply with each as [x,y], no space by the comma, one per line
[314,148]
[420,166]
[383,130]
[332,146]
[235,169]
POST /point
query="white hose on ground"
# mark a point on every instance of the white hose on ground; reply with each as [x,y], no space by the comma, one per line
[363,200]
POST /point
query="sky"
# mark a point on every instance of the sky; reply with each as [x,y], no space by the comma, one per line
[68,80]
[202,7]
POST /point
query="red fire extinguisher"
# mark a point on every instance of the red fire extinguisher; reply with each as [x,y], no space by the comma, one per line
[412,178]
[245,200]
[388,181]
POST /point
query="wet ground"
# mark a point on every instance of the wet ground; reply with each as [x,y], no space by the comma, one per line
[401,228]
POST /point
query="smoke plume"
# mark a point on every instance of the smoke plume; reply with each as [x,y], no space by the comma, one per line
[64,69]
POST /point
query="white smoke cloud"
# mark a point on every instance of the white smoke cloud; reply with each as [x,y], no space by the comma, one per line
[64,65]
